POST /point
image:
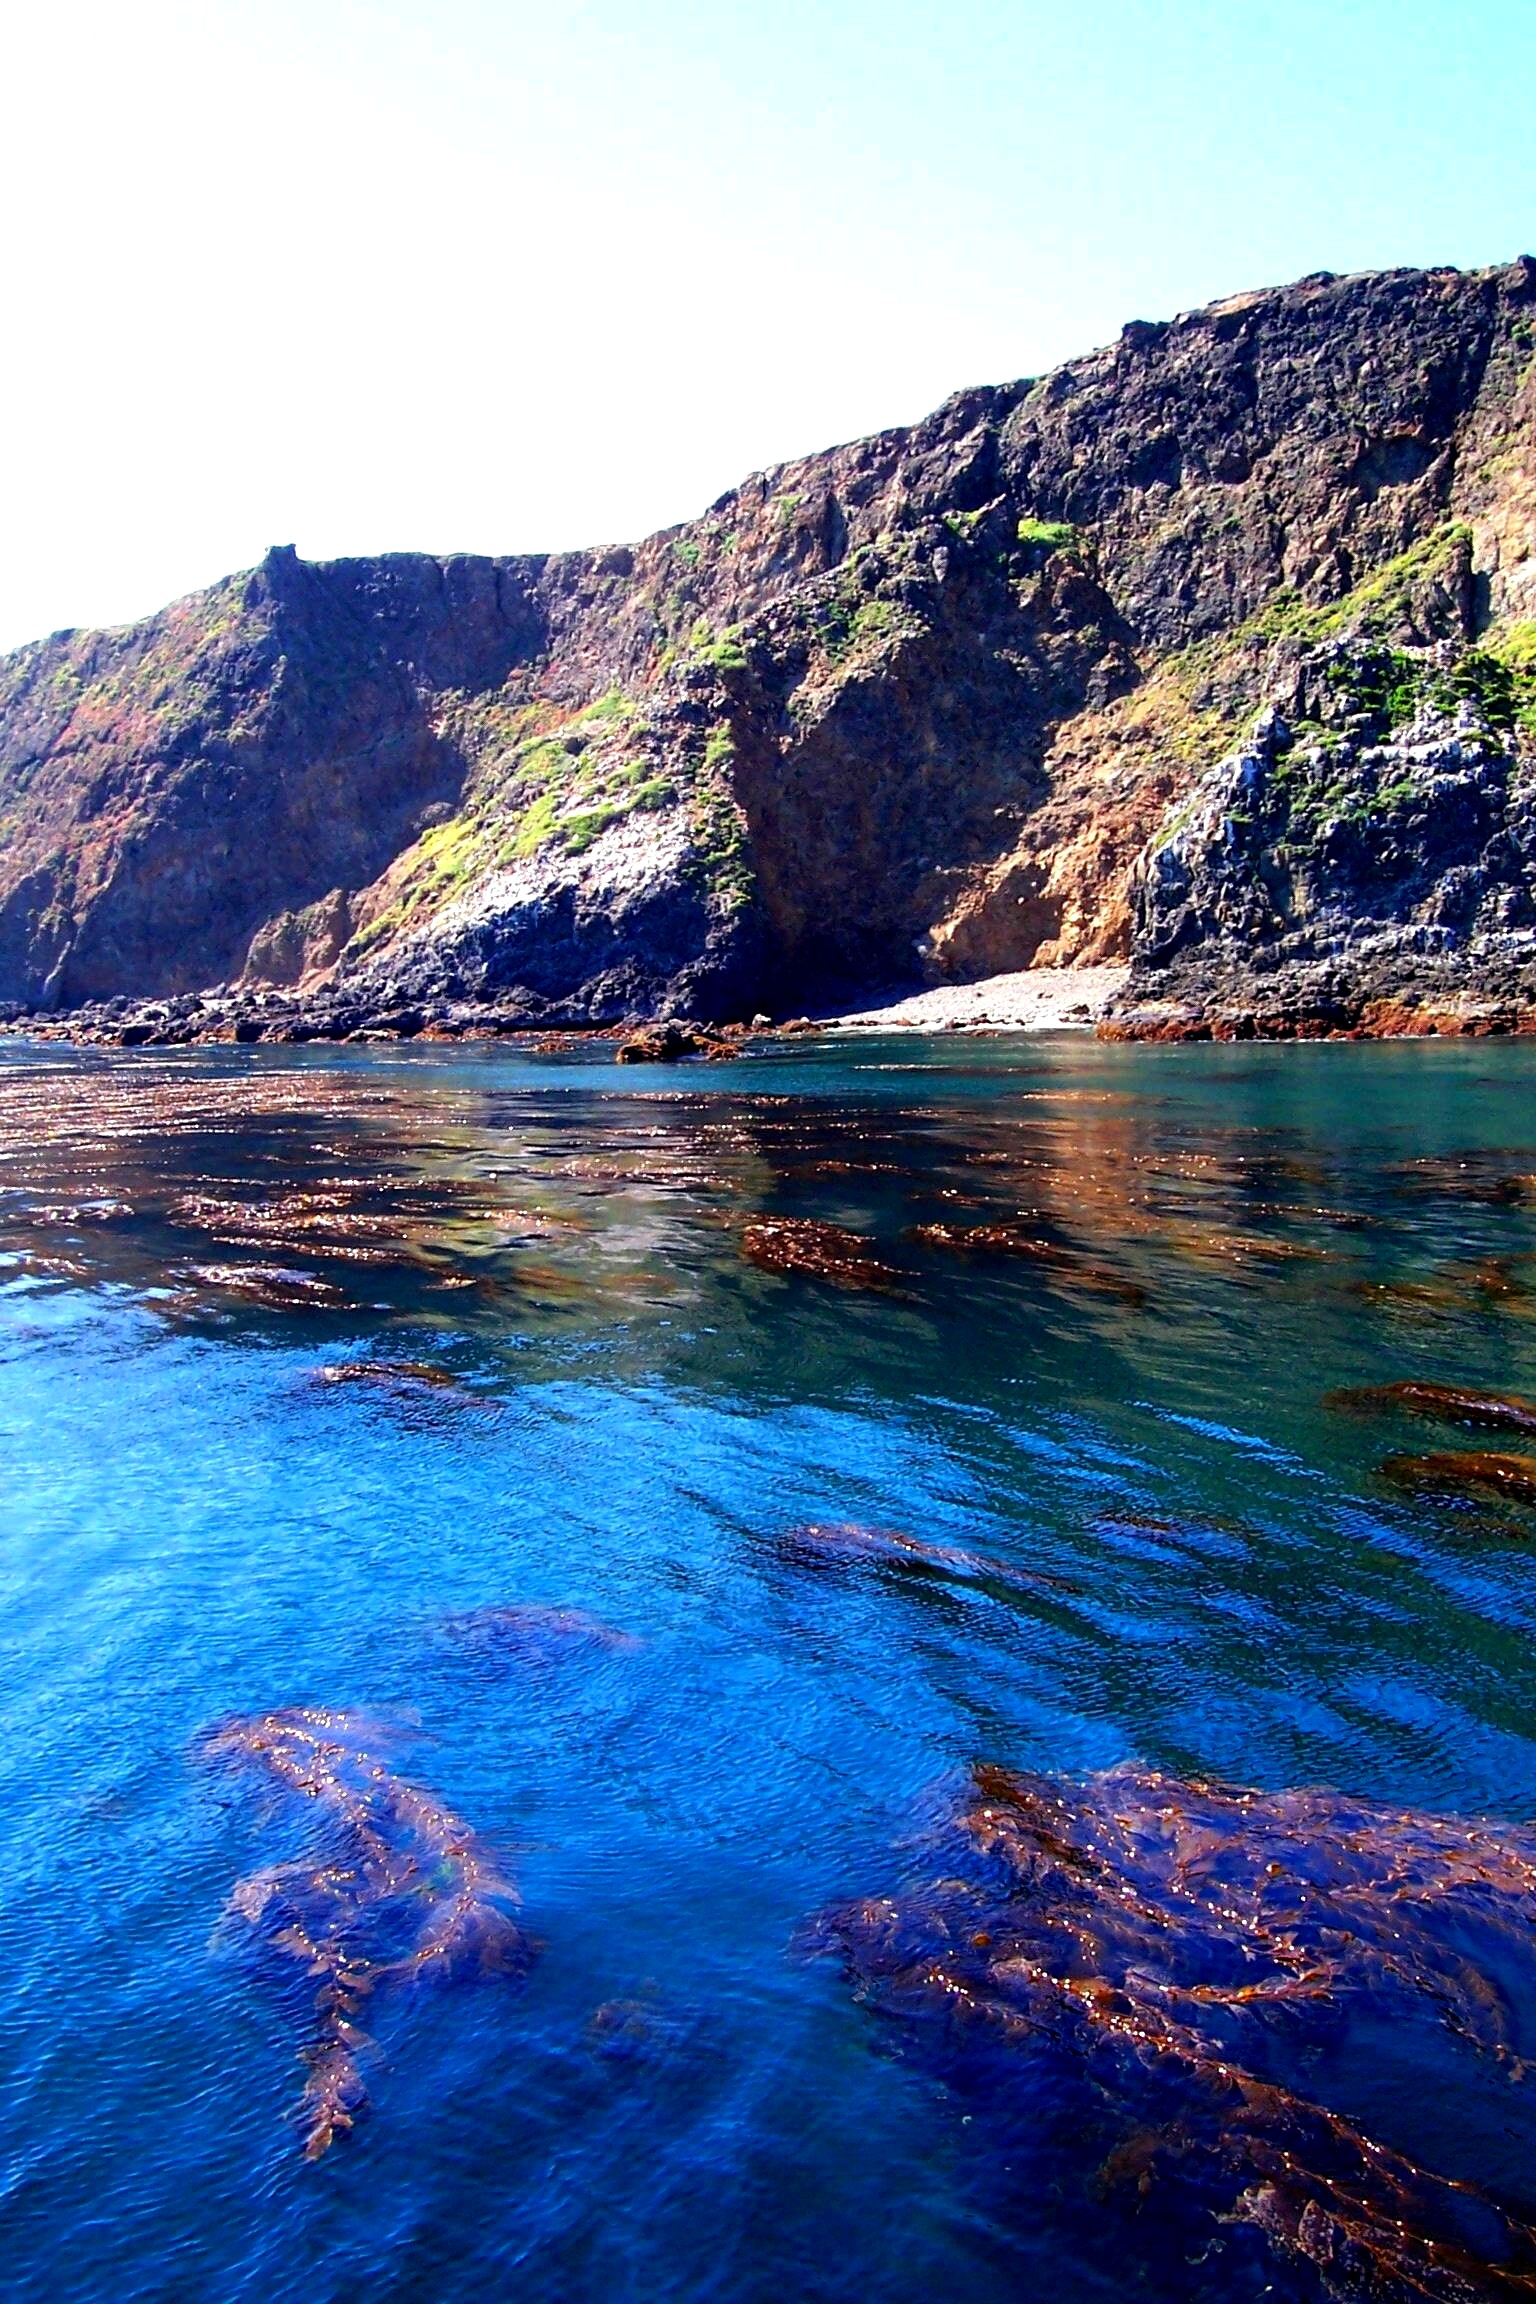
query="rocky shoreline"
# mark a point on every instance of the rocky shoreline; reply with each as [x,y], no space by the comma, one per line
[1042,1000]
[1369,997]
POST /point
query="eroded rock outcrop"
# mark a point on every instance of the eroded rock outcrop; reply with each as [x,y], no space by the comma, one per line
[911,708]
[1375,840]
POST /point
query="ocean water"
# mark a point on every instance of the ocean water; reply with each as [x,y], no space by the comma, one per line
[1170,1551]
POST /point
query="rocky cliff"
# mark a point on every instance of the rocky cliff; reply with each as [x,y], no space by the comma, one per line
[973,696]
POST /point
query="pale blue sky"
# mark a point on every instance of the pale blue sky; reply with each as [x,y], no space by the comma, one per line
[480,275]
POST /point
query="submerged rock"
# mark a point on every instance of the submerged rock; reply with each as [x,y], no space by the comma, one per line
[1117,1971]
[394,1890]
[635,2031]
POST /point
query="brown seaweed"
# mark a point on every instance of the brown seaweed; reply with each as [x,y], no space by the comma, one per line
[1453,1288]
[848,1543]
[406,1380]
[634,2031]
[525,1632]
[1012,1240]
[1468,1177]
[272,1287]
[1113,1967]
[1441,1403]
[1472,1472]
[395,1890]
[825,1251]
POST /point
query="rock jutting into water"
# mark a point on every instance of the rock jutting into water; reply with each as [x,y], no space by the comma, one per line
[393,1890]
[1442,1404]
[1471,1472]
[670,1042]
[525,1632]
[847,1543]
[1114,1970]
[825,1251]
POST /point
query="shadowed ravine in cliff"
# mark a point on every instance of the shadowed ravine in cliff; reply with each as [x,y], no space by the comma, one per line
[958,698]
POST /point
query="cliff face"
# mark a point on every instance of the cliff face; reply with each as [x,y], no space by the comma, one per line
[952,699]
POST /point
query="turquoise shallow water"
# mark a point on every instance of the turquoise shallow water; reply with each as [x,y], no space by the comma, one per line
[675,2104]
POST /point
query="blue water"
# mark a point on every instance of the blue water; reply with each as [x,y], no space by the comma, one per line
[191,1526]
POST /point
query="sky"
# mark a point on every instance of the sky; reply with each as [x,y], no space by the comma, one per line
[479,275]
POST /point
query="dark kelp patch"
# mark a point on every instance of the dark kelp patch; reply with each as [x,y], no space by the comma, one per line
[393,1890]
[823,1251]
[848,1543]
[410,1383]
[1067,1263]
[1474,1473]
[1115,1970]
[1440,1403]
[525,1632]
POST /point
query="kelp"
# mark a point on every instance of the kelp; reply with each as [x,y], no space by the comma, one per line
[824,1251]
[525,1632]
[272,1287]
[1475,1473]
[1115,1970]
[1069,1263]
[393,1890]
[413,1383]
[848,1543]
[1480,1179]
[325,1222]
[388,1372]
[1441,1404]
[634,2031]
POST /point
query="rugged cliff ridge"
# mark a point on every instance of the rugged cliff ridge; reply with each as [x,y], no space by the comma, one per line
[959,698]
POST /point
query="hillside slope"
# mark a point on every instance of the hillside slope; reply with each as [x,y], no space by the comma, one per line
[963,697]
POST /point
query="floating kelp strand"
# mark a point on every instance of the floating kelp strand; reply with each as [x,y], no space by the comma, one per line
[787,1244]
[1489,1180]
[420,1382]
[1009,1240]
[845,1543]
[1475,1473]
[275,1288]
[526,1632]
[398,1890]
[1441,1403]
[1089,1961]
